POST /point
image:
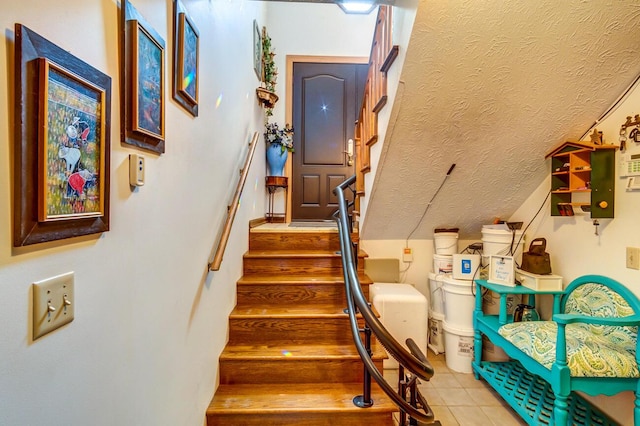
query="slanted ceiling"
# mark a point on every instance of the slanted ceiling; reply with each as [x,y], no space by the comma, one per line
[492,86]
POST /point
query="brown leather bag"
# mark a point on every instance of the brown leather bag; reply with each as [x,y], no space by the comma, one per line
[537,260]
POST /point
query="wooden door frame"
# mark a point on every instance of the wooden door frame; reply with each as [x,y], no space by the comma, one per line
[291,59]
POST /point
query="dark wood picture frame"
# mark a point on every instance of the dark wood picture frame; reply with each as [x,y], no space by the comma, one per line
[186,55]
[44,71]
[143,88]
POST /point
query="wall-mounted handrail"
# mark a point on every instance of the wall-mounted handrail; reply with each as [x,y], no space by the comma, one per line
[414,361]
[232,209]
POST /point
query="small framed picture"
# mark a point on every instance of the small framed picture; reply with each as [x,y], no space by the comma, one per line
[257,51]
[502,270]
[148,82]
[143,103]
[186,60]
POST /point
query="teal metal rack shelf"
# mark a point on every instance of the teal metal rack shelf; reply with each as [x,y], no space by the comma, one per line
[532,398]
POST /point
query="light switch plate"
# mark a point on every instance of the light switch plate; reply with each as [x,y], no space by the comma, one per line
[52,304]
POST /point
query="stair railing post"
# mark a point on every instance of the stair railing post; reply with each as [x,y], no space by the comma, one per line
[365,400]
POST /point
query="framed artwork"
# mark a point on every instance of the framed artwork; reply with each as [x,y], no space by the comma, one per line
[143,104]
[257,50]
[71,145]
[185,60]
[62,143]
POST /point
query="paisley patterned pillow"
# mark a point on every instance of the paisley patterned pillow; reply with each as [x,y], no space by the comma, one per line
[588,354]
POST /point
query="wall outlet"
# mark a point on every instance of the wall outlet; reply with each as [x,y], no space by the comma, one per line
[407,255]
[633,258]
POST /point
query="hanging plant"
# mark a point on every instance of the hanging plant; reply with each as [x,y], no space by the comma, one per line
[267,92]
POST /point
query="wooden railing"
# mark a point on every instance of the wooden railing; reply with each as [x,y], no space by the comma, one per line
[383,53]
[232,209]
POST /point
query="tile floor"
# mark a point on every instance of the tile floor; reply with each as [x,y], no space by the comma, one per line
[460,399]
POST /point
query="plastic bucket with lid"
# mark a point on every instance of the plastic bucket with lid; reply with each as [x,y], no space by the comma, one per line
[436,299]
[442,263]
[497,239]
[445,242]
[459,302]
[458,348]
[436,332]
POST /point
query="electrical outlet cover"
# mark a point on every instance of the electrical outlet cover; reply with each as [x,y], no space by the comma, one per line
[53,303]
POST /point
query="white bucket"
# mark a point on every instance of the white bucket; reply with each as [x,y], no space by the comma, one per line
[436,332]
[445,242]
[436,300]
[459,302]
[466,266]
[458,348]
[442,263]
[497,239]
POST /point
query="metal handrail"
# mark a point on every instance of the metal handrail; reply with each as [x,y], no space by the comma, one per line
[414,361]
[232,209]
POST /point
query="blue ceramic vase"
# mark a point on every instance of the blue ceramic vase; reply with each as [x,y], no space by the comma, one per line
[276,159]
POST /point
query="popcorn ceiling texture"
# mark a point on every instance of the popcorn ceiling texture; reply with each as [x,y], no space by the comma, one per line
[493,86]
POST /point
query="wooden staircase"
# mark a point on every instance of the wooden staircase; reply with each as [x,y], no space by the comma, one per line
[290,358]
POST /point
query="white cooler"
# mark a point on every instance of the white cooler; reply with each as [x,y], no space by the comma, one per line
[404,311]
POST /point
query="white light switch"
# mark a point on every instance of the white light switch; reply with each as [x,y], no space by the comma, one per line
[53,304]
[136,170]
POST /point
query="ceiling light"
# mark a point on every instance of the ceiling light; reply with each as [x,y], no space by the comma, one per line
[357,6]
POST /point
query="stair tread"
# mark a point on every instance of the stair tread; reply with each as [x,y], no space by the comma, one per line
[303,397]
[297,351]
[295,278]
[292,253]
[284,311]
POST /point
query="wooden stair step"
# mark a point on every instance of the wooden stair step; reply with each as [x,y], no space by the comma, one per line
[294,324]
[266,239]
[309,363]
[287,289]
[280,262]
[300,404]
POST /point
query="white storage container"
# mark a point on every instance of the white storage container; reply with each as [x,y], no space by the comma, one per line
[459,302]
[539,282]
[436,332]
[403,311]
[458,348]
[445,242]
[436,300]
[442,263]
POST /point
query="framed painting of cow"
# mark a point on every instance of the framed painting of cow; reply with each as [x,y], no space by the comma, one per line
[62,143]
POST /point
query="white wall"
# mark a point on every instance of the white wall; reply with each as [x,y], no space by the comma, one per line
[149,320]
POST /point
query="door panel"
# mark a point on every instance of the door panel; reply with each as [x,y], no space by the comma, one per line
[326,97]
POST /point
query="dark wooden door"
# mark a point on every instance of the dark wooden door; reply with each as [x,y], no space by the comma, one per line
[326,98]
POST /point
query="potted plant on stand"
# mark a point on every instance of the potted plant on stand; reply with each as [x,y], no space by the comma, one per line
[279,144]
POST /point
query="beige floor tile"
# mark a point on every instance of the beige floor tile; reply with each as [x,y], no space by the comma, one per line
[469,381]
[455,397]
[485,397]
[444,415]
[432,395]
[445,380]
[470,416]
[501,416]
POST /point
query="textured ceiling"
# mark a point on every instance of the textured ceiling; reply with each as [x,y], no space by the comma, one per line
[492,86]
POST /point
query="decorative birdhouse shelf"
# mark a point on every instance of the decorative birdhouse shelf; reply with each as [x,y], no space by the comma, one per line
[583,176]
